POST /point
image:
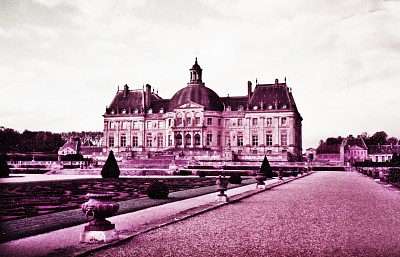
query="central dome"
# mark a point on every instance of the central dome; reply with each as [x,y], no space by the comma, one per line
[196,92]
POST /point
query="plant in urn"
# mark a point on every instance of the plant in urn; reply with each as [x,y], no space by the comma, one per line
[97,209]
[264,173]
[222,185]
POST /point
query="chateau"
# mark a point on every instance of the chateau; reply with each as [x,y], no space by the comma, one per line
[196,122]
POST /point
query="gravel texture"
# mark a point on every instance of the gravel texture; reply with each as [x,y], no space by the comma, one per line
[325,214]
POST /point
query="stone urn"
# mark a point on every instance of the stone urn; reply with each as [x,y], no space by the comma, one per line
[96,210]
[260,177]
[222,186]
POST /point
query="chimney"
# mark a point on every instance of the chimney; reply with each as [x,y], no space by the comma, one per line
[249,90]
[147,97]
[276,82]
[126,90]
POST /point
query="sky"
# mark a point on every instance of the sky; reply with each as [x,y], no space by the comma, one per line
[61,62]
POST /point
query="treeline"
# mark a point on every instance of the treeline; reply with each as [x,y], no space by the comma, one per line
[40,141]
[332,144]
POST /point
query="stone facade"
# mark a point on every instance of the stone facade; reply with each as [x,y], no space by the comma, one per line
[197,122]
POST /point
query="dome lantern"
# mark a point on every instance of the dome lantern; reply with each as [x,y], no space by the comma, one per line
[195,74]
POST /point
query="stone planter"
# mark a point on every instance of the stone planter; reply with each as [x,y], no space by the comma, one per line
[97,209]
[260,177]
[222,186]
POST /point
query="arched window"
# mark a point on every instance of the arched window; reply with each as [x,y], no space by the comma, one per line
[178,139]
[188,139]
[197,139]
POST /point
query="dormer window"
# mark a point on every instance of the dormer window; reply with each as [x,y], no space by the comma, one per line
[241,108]
[123,111]
[112,111]
[136,111]
[228,109]
[255,107]
[150,111]
[269,107]
[162,110]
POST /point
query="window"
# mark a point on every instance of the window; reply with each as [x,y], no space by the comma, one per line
[149,141]
[283,121]
[197,120]
[169,140]
[269,152]
[123,141]
[269,121]
[240,122]
[149,124]
[135,141]
[188,121]
[209,121]
[218,140]
[269,140]
[160,140]
[383,158]
[227,123]
[254,151]
[124,124]
[228,140]
[197,139]
[179,121]
[188,139]
[111,125]
[209,139]
[111,141]
[135,125]
[161,124]
[284,139]
[254,122]
[219,122]
[178,139]
[254,140]
[240,140]
[105,125]
[169,123]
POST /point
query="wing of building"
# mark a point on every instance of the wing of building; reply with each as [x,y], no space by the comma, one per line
[197,122]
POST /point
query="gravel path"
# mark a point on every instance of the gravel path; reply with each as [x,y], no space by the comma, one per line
[325,214]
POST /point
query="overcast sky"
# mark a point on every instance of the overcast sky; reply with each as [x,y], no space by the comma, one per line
[61,61]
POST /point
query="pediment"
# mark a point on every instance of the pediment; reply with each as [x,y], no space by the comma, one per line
[190,105]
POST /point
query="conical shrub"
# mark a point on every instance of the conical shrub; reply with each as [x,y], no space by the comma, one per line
[4,169]
[266,168]
[110,168]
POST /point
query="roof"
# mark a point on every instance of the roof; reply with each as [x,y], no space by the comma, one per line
[272,96]
[235,102]
[85,150]
[70,144]
[128,101]
[199,94]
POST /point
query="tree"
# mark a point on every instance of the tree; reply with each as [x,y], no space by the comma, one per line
[379,138]
[4,169]
[110,168]
[266,168]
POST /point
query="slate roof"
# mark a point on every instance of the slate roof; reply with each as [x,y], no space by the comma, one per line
[127,100]
[235,102]
[199,94]
[272,96]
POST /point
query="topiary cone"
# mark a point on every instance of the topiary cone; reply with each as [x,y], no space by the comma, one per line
[266,168]
[110,168]
[4,169]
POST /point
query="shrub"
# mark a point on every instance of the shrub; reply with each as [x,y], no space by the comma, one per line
[235,179]
[110,168]
[158,190]
[394,175]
